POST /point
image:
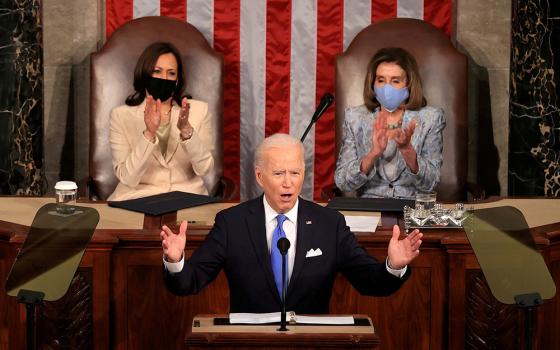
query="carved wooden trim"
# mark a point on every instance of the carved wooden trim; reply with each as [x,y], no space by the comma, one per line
[67,323]
[489,324]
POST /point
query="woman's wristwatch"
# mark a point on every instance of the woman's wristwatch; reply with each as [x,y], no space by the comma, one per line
[152,139]
[186,133]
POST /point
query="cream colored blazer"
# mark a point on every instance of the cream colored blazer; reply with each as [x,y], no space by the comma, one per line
[140,166]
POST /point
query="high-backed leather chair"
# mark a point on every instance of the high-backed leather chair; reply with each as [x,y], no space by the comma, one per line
[444,78]
[111,82]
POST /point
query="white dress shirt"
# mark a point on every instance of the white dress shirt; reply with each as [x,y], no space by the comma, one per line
[290,229]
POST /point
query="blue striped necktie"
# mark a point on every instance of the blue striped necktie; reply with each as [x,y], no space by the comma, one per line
[275,256]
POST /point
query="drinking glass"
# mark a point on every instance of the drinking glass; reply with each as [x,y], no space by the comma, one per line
[426,199]
[66,195]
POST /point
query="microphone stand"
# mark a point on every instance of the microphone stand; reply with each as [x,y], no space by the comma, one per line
[324,104]
[283,245]
[283,313]
[307,130]
[31,299]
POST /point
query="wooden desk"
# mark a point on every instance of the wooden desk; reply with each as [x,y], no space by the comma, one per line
[117,299]
[204,334]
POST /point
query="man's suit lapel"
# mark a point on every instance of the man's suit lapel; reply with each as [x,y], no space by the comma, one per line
[305,231]
[257,231]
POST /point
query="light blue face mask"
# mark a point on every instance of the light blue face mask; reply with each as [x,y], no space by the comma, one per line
[390,97]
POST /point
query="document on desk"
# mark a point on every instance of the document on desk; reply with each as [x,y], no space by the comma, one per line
[291,317]
[358,223]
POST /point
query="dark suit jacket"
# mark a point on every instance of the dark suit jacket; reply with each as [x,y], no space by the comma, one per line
[237,243]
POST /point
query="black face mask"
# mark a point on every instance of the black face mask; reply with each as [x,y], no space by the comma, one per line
[161,89]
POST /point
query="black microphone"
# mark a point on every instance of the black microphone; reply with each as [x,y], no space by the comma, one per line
[283,246]
[324,104]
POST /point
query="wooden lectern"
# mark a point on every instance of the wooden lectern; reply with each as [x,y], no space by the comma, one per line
[205,333]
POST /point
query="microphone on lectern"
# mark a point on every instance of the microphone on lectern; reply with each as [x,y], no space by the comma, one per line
[324,104]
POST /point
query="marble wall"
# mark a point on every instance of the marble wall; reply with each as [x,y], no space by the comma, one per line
[21,103]
[72,30]
[535,99]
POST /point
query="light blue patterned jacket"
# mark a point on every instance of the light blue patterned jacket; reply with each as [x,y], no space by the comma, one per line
[390,176]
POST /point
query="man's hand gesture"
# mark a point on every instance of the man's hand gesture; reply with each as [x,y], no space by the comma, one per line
[402,251]
[173,244]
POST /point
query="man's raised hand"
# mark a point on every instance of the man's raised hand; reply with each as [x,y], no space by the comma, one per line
[173,244]
[402,251]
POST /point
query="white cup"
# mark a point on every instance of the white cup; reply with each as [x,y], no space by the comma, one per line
[66,193]
[426,199]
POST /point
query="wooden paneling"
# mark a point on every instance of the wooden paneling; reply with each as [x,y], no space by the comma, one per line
[444,305]
[419,302]
[551,308]
[12,328]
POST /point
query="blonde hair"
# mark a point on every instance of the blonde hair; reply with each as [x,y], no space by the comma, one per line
[275,140]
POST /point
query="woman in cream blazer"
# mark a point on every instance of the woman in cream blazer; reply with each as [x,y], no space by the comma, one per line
[160,143]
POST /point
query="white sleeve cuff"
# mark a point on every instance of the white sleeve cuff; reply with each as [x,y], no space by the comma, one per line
[174,267]
[397,273]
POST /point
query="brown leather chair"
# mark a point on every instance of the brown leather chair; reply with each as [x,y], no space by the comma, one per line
[111,82]
[444,78]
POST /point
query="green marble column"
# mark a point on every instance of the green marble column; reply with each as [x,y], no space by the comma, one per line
[21,98]
[534,140]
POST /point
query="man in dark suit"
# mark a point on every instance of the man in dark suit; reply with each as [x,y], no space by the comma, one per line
[243,243]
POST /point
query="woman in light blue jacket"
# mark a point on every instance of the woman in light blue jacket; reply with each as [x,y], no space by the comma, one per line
[392,145]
